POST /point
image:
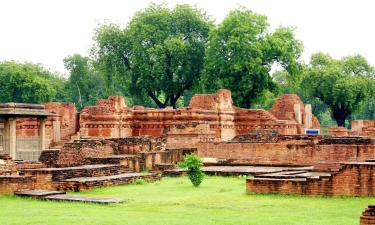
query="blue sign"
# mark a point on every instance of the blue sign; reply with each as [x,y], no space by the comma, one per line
[312,131]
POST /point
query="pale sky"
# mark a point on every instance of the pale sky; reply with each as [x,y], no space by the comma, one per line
[46,31]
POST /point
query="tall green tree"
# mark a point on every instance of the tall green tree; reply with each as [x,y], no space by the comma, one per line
[241,53]
[26,83]
[159,54]
[85,86]
[343,84]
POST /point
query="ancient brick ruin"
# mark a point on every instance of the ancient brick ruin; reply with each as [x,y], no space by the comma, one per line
[368,216]
[112,118]
[110,143]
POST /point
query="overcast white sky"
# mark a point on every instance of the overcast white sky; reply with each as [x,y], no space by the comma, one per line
[46,31]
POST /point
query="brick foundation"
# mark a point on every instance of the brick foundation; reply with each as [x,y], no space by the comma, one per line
[368,216]
[353,179]
[303,151]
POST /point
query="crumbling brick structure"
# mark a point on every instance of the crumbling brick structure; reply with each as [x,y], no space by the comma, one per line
[368,216]
[112,118]
[323,153]
[364,127]
[352,179]
[58,128]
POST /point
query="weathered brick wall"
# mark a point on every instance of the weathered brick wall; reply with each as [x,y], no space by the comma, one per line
[75,153]
[112,118]
[188,135]
[283,108]
[10,184]
[368,216]
[7,166]
[353,179]
[364,127]
[137,152]
[67,119]
[292,152]
[338,131]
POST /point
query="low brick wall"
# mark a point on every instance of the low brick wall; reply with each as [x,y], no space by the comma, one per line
[10,184]
[75,153]
[292,152]
[368,216]
[353,179]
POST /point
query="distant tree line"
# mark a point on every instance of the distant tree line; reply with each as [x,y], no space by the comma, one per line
[163,56]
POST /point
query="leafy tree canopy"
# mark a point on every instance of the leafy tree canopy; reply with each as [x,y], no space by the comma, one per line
[341,84]
[241,53]
[159,54]
[28,83]
[85,86]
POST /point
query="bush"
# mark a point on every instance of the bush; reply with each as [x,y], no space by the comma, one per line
[194,164]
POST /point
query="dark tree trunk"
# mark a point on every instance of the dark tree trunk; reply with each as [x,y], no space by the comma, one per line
[246,102]
[173,102]
[340,116]
[156,100]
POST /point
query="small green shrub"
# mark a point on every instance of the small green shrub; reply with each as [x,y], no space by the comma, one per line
[140,182]
[194,164]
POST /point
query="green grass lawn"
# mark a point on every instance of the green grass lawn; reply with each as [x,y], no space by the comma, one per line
[218,200]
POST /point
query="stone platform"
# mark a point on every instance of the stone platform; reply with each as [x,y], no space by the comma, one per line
[86,183]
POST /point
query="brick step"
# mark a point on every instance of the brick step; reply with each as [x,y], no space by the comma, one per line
[86,183]
[111,159]
[63,173]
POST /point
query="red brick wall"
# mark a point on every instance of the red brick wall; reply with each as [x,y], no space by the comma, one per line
[338,131]
[283,108]
[10,184]
[364,127]
[111,118]
[368,216]
[353,179]
[67,116]
[287,152]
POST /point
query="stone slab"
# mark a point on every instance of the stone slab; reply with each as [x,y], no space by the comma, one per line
[113,177]
[78,198]
[37,193]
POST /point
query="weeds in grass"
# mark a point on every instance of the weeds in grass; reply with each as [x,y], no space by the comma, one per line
[140,182]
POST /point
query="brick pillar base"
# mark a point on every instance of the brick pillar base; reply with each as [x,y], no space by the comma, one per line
[368,216]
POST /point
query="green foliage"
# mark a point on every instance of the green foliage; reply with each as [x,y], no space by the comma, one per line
[140,182]
[28,83]
[194,164]
[85,86]
[343,85]
[159,54]
[241,52]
